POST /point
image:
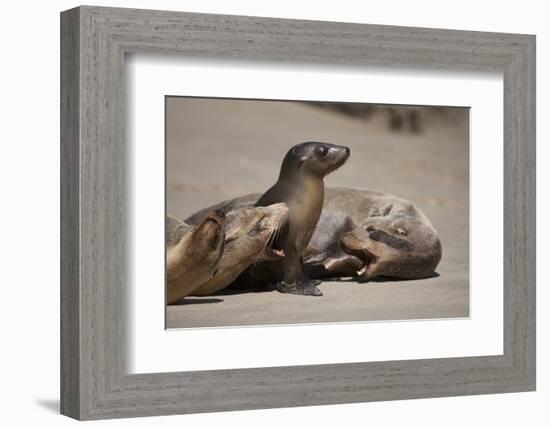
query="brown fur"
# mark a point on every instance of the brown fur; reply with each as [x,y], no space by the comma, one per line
[251,235]
[192,254]
[301,187]
[357,228]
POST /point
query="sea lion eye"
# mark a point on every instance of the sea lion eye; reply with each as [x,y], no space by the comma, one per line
[230,239]
[401,231]
[322,151]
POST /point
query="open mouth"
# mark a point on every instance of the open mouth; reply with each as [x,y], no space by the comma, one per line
[366,257]
[274,253]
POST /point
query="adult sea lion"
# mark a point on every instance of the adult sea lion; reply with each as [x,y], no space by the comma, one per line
[192,253]
[360,233]
[370,234]
[251,235]
[301,187]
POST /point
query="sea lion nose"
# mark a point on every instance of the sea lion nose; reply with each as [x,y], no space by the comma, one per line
[347,151]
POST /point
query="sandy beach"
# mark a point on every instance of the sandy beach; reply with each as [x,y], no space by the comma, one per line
[218,149]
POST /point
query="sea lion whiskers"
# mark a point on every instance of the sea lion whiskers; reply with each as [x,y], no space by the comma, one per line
[274,242]
[342,158]
[270,225]
[265,247]
[278,235]
[247,231]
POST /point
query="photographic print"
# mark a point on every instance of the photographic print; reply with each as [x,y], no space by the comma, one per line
[301,212]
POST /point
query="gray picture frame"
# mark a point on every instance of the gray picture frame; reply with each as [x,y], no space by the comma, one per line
[94,270]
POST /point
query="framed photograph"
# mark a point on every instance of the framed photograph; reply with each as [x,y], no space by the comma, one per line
[383,237]
[261,213]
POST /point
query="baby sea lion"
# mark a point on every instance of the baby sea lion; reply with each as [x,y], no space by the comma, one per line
[301,187]
[251,235]
[192,253]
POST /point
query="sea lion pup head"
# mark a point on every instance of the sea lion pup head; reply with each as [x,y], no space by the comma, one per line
[315,158]
[395,246]
[193,253]
[252,234]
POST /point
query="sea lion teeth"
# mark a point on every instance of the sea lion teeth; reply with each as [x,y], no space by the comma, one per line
[362,271]
[276,253]
[279,252]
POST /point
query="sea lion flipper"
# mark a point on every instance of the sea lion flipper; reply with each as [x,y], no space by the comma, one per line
[295,280]
[306,287]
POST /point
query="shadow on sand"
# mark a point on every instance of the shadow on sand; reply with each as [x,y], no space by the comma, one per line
[271,287]
[382,279]
[199,300]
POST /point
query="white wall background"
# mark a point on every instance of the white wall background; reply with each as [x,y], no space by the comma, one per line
[29,177]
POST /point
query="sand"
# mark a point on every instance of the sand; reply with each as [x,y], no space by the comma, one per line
[218,150]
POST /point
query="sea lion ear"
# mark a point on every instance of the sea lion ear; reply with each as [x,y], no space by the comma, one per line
[299,152]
